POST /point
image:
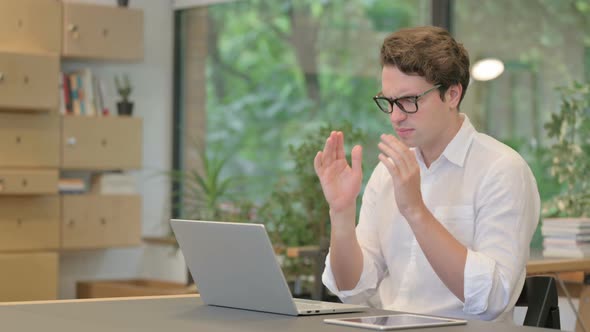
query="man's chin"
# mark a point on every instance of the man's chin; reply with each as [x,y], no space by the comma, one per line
[410,143]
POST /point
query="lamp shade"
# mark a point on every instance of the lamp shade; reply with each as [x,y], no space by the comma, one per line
[487,69]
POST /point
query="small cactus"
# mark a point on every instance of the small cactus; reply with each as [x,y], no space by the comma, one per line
[123,87]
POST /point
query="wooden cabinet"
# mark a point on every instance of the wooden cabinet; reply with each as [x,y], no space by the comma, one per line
[101,143]
[29,81]
[29,276]
[30,26]
[29,223]
[28,181]
[102,32]
[37,143]
[29,140]
[95,221]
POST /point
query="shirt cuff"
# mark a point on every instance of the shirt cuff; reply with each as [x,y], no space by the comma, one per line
[367,280]
[478,282]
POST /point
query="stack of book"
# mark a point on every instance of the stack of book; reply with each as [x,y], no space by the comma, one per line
[114,184]
[81,93]
[71,186]
[566,237]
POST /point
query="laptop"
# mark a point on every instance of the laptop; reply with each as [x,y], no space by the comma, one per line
[234,265]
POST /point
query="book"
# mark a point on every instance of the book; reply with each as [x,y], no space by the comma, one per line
[568,237]
[98,98]
[62,100]
[114,184]
[88,84]
[563,231]
[81,93]
[567,222]
[67,95]
[566,252]
[71,185]
[74,94]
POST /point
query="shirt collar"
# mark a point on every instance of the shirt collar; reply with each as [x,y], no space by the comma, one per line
[456,150]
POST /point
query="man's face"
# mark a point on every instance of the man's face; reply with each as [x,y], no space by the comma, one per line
[425,128]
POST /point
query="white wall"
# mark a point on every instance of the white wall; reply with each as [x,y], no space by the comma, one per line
[152,94]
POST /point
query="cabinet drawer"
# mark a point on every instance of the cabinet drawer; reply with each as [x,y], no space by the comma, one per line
[29,82]
[29,140]
[102,32]
[22,181]
[29,276]
[96,143]
[31,25]
[95,221]
[29,223]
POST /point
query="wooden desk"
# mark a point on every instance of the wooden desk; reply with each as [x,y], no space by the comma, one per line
[559,267]
[180,313]
[538,264]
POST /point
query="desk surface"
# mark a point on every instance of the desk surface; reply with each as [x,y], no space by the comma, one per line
[178,313]
[538,264]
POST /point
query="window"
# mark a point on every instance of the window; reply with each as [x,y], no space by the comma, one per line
[277,71]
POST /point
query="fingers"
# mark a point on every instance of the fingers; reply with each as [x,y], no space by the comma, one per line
[396,151]
[334,145]
[393,170]
[340,146]
[333,148]
[317,162]
[327,152]
[357,159]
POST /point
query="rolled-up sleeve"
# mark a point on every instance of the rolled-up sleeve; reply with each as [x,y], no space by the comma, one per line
[507,215]
[364,289]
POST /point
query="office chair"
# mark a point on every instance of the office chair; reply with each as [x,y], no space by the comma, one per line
[539,294]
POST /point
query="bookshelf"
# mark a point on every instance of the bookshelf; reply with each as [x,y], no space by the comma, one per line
[38,144]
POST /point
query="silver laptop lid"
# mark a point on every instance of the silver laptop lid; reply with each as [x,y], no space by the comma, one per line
[233,265]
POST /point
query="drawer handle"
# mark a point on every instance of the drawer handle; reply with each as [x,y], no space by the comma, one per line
[1,184]
[71,223]
[25,182]
[26,79]
[18,139]
[105,32]
[71,141]
[19,222]
[19,23]
[1,76]
[104,142]
[73,28]
[103,221]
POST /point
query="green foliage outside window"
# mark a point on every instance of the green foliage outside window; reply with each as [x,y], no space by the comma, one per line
[570,128]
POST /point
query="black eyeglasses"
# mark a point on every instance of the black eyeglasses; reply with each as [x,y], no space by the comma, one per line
[407,104]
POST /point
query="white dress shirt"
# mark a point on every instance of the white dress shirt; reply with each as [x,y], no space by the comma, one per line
[485,195]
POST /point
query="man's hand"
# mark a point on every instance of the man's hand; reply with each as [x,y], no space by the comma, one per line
[341,185]
[340,182]
[405,172]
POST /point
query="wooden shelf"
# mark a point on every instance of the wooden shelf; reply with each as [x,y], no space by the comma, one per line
[161,240]
[305,251]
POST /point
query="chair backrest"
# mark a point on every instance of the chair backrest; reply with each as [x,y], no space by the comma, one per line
[539,294]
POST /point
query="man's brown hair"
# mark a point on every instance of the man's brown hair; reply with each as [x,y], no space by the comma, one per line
[430,52]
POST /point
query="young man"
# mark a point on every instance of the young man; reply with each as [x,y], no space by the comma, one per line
[448,214]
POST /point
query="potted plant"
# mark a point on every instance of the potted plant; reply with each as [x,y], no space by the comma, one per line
[297,215]
[124,106]
[566,224]
[570,152]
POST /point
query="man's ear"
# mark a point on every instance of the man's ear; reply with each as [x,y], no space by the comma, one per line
[453,95]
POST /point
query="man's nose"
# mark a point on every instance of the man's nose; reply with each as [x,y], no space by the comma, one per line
[397,115]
